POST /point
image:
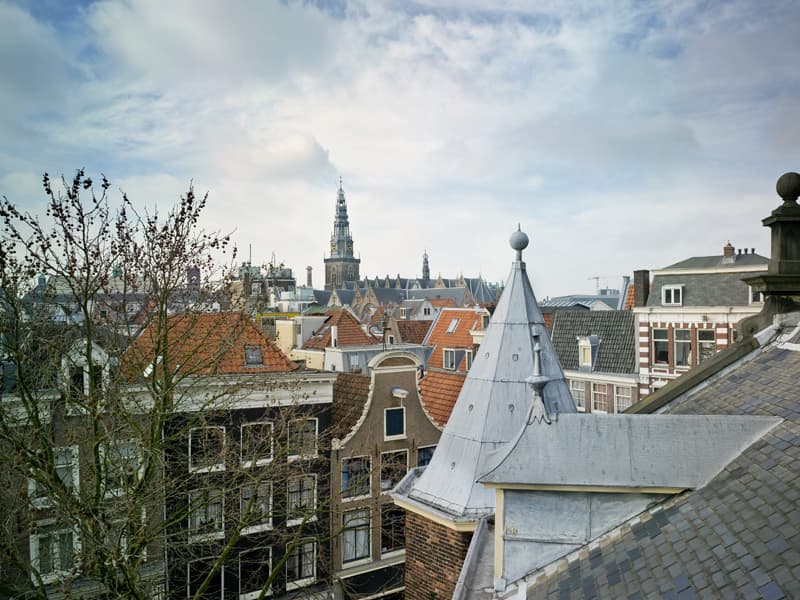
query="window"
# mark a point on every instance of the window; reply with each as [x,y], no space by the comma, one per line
[355,535]
[355,476]
[706,344]
[485,321]
[424,455]
[394,465]
[468,358]
[394,421]
[302,438]
[53,549]
[123,467]
[672,295]
[301,564]
[390,339]
[660,346]
[755,297]
[256,443]
[585,356]
[403,313]
[600,397]
[623,395]
[255,567]
[196,573]
[206,446]
[578,389]
[683,347]
[206,518]
[252,355]
[67,471]
[393,528]
[301,499]
[426,310]
[452,326]
[449,359]
[255,505]
[76,386]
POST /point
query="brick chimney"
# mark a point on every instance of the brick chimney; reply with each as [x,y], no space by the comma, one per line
[729,253]
[641,287]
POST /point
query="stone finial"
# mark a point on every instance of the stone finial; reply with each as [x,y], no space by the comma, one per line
[788,187]
[519,241]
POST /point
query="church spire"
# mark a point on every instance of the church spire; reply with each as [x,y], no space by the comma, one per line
[426,269]
[341,266]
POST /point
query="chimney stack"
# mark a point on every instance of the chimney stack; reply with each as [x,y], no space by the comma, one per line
[641,287]
[308,277]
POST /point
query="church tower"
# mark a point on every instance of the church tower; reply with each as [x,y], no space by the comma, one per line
[426,270]
[341,265]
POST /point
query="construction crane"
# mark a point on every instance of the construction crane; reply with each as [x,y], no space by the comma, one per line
[604,278]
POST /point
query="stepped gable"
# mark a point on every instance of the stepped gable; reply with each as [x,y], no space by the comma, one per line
[493,404]
[209,343]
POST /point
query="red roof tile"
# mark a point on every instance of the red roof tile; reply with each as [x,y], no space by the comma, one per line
[442,302]
[459,338]
[208,343]
[438,392]
[348,332]
[413,332]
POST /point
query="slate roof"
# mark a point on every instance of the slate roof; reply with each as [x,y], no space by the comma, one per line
[456,295]
[413,332]
[704,289]
[618,335]
[322,297]
[348,332]
[716,262]
[208,343]
[612,301]
[739,536]
[350,392]
[439,391]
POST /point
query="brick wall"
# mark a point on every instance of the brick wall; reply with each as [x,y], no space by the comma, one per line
[434,555]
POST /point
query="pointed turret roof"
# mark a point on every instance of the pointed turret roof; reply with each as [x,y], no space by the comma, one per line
[494,402]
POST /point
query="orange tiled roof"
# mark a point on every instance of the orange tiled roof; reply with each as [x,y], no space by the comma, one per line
[629,298]
[208,343]
[459,338]
[348,332]
[442,302]
[413,332]
[438,392]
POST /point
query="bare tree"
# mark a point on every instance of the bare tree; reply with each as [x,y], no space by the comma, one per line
[110,383]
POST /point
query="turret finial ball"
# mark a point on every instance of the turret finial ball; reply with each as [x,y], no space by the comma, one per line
[788,186]
[518,240]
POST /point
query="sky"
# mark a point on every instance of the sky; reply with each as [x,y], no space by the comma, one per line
[618,135]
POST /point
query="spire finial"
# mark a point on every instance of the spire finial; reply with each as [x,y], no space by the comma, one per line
[340,182]
[519,241]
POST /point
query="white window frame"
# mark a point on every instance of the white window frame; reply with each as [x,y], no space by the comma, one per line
[672,288]
[751,295]
[390,339]
[663,341]
[468,359]
[369,478]
[449,353]
[217,533]
[299,548]
[313,508]
[573,387]
[216,467]
[386,490]
[403,313]
[292,457]
[627,398]
[452,326]
[400,436]
[259,461]
[683,343]
[34,543]
[262,551]
[701,344]
[110,492]
[265,524]
[356,530]
[599,394]
[43,501]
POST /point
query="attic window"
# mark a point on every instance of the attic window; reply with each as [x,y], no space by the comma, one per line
[672,295]
[252,355]
[403,313]
[453,324]
[587,351]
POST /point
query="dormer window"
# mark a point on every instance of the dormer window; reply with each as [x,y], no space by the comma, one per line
[672,295]
[252,355]
[587,351]
[403,313]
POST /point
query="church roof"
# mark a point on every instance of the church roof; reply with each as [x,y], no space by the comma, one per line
[493,403]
